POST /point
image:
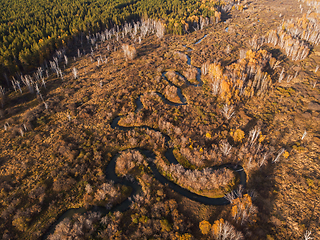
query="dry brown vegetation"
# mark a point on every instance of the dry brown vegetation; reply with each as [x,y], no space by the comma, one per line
[57,141]
[200,182]
[127,161]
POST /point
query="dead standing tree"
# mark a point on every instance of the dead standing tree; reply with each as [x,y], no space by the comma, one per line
[129,51]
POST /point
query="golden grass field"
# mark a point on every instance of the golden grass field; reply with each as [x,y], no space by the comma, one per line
[45,170]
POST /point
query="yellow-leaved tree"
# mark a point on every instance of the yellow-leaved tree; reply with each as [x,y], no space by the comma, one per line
[243,210]
[205,227]
[237,135]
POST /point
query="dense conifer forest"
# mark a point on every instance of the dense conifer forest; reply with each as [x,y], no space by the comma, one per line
[30,31]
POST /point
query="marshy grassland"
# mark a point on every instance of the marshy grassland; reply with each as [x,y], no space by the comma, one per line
[201,124]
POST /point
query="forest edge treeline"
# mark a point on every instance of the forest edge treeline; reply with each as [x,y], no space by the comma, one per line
[30,31]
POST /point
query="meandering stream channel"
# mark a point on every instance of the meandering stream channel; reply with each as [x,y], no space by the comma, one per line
[110,170]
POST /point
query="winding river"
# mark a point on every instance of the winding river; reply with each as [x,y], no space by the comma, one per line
[110,170]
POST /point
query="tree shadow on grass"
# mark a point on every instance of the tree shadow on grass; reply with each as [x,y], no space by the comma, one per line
[147,48]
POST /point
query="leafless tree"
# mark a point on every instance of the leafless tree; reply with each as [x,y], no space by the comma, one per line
[289,78]
[230,196]
[225,147]
[243,53]
[281,76]
[21,132]
[225,231]
[263,160]
[253,135]
[129,51]
[256,42]
[204,68]
[239,191]
[216,87]
[75,73]
[228,49]
[304,135]
[227,111]
[281,151]
[160,29]
[307,235]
